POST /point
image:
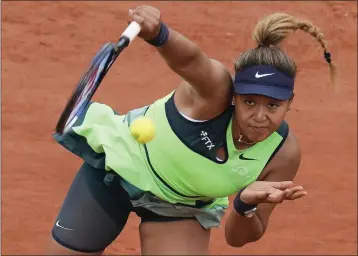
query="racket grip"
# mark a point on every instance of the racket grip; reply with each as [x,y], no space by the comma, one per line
[131,31]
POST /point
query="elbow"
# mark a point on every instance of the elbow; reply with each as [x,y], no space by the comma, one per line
[233,243]
[238,234]
[240,241]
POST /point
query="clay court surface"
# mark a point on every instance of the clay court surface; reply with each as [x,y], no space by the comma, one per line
[47,46]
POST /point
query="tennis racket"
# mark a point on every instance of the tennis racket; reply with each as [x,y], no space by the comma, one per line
[90,81]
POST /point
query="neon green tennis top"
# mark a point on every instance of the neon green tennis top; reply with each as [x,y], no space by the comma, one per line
[166,166]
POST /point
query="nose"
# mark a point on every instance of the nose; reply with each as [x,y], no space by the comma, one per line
[260,114]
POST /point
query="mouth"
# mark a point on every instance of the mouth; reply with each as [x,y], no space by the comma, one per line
[259,129]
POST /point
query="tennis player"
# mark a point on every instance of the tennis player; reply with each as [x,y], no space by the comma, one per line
[216,136]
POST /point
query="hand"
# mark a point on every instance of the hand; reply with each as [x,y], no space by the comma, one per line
[148,18]
[271,192]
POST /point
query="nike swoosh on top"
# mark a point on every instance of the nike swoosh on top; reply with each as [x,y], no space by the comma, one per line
[58,225]
[244,158]
[257,75]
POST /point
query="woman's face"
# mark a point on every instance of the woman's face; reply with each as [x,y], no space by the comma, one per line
[259,116]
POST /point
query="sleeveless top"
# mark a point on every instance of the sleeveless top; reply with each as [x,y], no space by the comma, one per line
[179,165]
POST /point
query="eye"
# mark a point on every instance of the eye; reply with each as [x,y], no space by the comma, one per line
[273,105]
[249,102]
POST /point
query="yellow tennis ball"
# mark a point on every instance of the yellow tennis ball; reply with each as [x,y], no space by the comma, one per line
[142,129]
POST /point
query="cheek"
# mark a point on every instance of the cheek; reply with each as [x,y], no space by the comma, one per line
[242,117]
[273,124]
[276,120]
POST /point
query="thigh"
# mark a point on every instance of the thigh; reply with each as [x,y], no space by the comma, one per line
[93,212]
[181,237]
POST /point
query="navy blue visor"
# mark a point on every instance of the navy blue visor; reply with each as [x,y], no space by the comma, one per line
[264,80]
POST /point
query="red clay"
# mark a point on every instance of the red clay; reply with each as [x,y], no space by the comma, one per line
[47,46]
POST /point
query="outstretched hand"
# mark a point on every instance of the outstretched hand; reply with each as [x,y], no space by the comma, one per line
[271,192]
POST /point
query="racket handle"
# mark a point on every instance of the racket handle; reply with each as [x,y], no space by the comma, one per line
[131,31]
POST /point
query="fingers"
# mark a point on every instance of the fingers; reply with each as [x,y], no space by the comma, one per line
[148,18]
[282,185]
[277,196]
[135,17]
[261,195]
[271,192]
[297,195]
[291,191]
[145,15]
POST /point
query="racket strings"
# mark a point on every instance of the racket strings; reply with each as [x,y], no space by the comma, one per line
[86,87]
[89,83]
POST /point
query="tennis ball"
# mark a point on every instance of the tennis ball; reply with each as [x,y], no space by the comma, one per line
[142,129]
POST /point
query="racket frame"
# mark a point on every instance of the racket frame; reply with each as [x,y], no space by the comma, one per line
[71,112]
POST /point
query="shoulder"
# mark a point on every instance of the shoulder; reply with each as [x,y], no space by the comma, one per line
[220,79]
[214,101]
[221,76]
[286,162]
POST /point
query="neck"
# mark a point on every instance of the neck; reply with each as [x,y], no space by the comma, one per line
[240,141]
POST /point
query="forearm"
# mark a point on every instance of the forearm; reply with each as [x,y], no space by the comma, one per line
[208,77]
[179,51]
[240,230]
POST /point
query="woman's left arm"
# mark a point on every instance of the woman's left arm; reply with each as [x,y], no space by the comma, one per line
[276,187]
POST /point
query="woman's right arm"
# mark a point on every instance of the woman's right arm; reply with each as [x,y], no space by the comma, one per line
[208,77]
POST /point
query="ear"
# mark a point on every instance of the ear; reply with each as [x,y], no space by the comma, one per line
[233,99]
[290,101]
